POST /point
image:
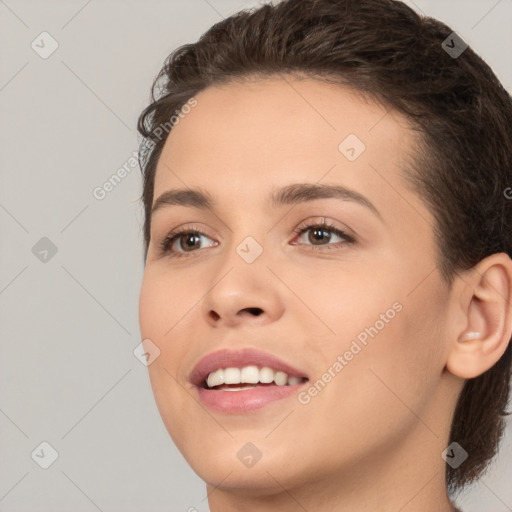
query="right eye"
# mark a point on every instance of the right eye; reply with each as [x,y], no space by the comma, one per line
[185,238]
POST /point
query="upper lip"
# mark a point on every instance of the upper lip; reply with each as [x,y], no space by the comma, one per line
[229,358]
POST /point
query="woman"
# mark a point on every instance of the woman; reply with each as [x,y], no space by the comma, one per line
[327,258]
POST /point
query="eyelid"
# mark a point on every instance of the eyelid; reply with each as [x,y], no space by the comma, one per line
[346,238]
[319,220]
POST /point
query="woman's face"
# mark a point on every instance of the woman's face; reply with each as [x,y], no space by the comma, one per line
[360,315]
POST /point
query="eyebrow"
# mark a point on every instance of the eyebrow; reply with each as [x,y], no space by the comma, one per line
[289,195]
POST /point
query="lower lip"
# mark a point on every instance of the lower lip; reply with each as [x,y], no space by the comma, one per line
[236,402]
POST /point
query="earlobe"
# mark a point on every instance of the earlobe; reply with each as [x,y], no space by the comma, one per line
[487,306]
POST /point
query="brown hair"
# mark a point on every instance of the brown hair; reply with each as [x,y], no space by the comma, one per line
[463,113]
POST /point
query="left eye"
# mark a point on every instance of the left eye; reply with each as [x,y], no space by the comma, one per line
[321,233]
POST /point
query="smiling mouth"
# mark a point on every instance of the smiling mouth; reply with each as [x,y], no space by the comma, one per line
[249,377]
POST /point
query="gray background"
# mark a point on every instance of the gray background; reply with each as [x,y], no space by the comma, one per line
[69,325]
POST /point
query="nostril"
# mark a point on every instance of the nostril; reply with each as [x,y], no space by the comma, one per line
[255,311]
[214,315]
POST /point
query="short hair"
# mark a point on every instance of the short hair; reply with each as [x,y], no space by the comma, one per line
[462,162]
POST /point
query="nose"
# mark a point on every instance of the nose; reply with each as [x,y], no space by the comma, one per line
[243,297]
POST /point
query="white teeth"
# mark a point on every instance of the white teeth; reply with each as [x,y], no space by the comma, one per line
[249,375]
[266,375]
[232,376]
[215,378]
[280,378]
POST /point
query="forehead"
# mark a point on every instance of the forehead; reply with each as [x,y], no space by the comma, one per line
[247,137]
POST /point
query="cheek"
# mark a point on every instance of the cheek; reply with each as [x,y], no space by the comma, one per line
[163,302]
[351,305]
[389,341]
[369,401]
[163,308]
[168,309]
[164,317]
[402,363]
[151,306]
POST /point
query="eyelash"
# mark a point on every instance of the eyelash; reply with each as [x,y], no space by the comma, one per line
[168,241]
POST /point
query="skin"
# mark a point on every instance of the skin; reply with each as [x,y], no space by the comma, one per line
[372,438]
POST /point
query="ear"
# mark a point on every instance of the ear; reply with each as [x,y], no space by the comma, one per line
[486,302]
